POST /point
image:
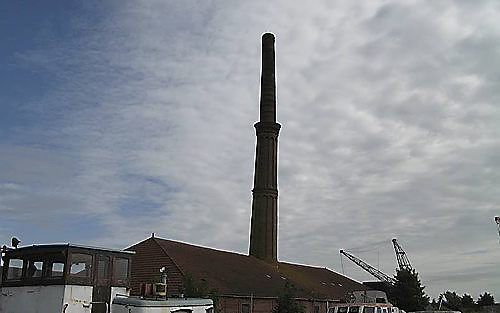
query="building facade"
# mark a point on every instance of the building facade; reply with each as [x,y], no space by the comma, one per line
[237,282]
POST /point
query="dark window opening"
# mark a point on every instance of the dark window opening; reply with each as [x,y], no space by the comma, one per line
[245,308]
[56,269]
[34,269]
[342,309]
[316,309]
[368,309]
[354,309]
[103,263]
[81,265]
[120,269]
[15,269]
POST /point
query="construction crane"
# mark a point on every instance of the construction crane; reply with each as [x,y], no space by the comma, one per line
[370,269]
[403,262]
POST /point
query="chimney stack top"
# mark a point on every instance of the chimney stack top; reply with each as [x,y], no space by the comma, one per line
[268,39]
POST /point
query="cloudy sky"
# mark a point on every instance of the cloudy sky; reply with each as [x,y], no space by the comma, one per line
[122,118]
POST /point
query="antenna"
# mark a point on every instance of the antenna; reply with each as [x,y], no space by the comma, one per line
[497,220]
[15,242]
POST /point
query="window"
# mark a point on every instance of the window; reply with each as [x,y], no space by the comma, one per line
[245,308]
[34,269]
[54,266]
[103,263]
[120,269]
[368,309]
[57,269]
[209,310]
[342,309]
[316,309]
[331,310]
[354,309]
[15,270]
[81,265]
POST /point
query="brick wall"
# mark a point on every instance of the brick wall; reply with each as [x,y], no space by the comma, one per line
[146,265]
[263,305]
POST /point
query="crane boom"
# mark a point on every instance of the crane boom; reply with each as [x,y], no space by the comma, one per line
[403,261]
[370,269]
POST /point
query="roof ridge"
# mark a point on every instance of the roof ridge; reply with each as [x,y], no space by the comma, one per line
[168,256]
[202,247]
[306,265]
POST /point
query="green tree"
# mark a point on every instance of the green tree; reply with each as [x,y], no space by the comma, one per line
[408,293]
[485,299]
[194,288]
[434,304]
[199,288]
[287,303]
[467,301]
[453,300]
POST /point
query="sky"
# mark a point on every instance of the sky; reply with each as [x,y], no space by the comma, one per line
[123,118]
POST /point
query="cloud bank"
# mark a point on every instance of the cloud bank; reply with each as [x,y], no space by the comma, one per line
[389,114]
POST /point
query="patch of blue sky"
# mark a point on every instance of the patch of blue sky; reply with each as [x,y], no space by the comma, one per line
[63,228]
[138,205]
[33,33]
[140,179]
[149,195]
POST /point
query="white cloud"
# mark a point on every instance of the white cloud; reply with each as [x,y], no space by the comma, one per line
[389,129]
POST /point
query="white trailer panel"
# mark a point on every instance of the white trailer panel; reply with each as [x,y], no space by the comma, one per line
[137,305]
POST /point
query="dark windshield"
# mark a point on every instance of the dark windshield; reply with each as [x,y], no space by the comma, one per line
[34,269]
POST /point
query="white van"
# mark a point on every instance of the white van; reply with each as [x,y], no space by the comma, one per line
[363,308]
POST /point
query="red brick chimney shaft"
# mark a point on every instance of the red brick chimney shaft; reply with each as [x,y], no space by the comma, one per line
[264,224]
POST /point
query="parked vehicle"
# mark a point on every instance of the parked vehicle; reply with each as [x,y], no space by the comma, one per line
[363,308]
[62,278]
[124,304]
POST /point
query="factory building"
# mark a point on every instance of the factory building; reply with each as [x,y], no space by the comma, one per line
[237,280]
[246,283]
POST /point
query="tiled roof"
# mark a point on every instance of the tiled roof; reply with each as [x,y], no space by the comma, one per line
[237,274]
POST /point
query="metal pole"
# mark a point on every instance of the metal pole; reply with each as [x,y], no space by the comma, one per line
[251,303]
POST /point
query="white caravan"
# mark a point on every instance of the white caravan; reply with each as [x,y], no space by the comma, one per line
[363,308]
[123,304]
[62,278]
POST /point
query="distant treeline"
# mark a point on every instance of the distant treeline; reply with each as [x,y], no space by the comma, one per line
[465,303]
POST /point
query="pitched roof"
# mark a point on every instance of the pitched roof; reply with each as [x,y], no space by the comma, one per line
[237,274]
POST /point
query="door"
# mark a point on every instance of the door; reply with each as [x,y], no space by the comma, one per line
[101,295]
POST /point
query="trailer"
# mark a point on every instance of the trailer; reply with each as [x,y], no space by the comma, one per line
[126,304]
[63,278]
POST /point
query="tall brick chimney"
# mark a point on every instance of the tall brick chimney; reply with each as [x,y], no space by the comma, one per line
[264,225]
